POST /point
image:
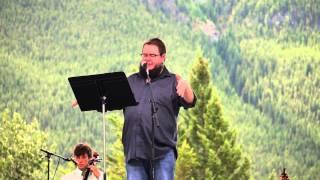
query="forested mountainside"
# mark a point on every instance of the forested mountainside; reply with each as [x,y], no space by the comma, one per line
[263,57]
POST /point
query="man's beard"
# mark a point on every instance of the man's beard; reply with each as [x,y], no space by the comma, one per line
[155,72]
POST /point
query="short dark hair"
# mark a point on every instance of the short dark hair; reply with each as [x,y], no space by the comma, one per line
[157,42]
[82,149]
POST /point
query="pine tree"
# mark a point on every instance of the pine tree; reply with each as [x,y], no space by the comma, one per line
[208,133]
[186,162]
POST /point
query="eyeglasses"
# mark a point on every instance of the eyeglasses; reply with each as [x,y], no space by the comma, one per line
[150,55]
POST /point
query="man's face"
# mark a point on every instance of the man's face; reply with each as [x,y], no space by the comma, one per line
[151,56]
[82,161]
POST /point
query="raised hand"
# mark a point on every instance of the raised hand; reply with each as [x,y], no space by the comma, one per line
[94,170]
[184,90]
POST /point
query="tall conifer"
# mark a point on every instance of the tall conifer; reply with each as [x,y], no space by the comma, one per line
[208,133]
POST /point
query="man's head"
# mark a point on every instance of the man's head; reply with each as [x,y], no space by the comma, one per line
[82,154]
[153,53]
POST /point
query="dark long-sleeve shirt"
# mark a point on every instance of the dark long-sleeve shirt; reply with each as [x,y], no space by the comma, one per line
[137,130]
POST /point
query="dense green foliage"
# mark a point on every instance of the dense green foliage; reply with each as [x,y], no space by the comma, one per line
[264,65]
[286,20]
[281,81]
[20,142]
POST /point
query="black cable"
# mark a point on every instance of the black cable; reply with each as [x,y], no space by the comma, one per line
[56,168]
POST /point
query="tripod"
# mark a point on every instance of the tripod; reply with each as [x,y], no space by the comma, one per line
[48,156]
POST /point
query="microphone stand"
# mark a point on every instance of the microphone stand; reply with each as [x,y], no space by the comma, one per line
[284,175]
[48,156]
[154,110]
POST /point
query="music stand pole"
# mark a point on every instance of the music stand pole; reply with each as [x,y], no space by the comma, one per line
[103,99]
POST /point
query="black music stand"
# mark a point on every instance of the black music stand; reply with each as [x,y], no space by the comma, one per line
[101,92]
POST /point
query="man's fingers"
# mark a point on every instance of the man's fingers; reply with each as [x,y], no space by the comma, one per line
[180,89]
[178,77]
[180,93]
[181,86]
[74,103]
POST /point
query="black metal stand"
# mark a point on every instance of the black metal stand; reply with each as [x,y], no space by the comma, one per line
[284,175]
[103,102]
[154,110]
[48,157]
[92,92]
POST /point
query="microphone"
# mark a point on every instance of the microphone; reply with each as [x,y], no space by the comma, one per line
[145,67]
[72,160]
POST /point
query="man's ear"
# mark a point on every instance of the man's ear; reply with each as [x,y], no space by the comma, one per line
[164,57]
